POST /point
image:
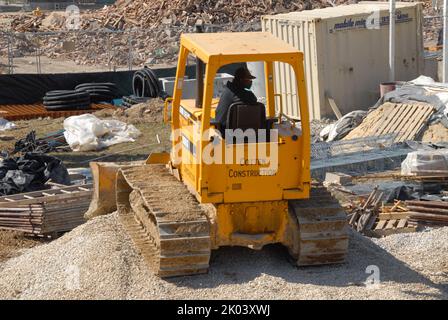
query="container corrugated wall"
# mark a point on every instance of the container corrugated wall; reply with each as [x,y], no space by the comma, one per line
[301,35]
[334,64]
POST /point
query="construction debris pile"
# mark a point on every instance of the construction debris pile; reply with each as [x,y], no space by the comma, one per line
[365,214]
[125,14]
[373,218]
[398,204]
[139,32]
[147,31]
[415,111]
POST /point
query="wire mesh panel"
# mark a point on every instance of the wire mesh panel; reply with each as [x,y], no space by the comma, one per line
[327,150]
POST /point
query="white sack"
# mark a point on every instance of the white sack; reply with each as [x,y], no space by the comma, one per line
[343,126]
[6,125]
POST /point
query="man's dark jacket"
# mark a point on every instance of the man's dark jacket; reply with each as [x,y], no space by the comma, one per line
[231,95]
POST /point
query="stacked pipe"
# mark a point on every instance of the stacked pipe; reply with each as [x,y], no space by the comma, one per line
[99,92]
[432,213]
[146,84]
[66,100]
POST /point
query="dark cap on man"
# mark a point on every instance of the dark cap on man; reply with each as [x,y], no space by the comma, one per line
[243,74]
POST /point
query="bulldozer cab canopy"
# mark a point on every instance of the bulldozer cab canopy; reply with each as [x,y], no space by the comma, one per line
[227,47]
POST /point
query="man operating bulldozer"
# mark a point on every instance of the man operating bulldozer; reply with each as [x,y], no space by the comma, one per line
[235,91]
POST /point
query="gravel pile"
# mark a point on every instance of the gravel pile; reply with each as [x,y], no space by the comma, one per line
[97,260]
[424,251]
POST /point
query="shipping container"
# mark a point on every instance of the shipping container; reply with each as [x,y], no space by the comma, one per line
[346,52]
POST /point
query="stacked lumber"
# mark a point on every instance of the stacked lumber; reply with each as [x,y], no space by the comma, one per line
[428,213]
[405,121]
[46,212]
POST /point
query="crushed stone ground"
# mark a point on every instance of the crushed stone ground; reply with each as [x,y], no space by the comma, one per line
[98,261]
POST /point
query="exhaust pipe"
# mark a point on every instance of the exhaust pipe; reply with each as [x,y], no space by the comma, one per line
[200,67]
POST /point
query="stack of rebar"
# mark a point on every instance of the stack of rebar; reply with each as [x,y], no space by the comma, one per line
[428,213]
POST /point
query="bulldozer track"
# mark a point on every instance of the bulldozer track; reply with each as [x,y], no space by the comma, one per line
[164,220]
[174,238]
[323,229]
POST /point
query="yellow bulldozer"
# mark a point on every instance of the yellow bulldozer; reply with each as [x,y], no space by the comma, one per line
[179,206]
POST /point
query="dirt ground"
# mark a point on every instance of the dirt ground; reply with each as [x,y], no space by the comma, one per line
[13,243]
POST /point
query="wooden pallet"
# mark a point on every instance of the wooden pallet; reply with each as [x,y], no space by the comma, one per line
[391,223]
[404,120]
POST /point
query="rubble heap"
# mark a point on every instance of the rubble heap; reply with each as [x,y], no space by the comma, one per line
[125,14]
[143,31]
[147,31]
[152,13]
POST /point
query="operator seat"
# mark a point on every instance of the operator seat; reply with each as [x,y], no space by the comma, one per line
[244,116]
[249,116]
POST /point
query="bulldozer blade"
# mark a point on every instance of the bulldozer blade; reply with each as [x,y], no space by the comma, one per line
[104,199]
[104,183]
[158,158]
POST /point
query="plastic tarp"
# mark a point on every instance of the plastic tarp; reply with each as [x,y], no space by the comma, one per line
[88,133]
[6,125]
[30,172]
[426,163]
[343,126]
[422,89]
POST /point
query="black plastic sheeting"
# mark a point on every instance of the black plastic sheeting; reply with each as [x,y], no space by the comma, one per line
[31,88]
[30,172]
